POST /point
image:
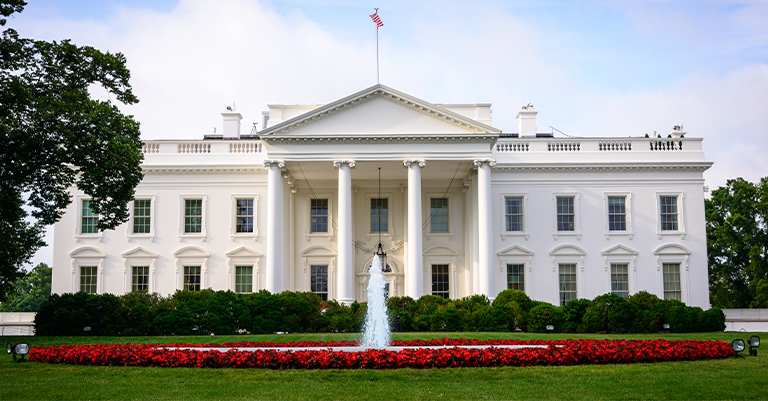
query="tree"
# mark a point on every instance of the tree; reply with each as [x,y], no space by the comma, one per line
[55,137]
[737,244]
[30,291]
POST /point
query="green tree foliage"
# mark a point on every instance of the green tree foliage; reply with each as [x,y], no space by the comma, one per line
[30,291]
[737,244]
[55,136]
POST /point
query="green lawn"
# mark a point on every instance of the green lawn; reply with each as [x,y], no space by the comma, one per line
[720,379]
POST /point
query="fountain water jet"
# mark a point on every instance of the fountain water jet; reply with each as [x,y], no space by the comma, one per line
[376,332]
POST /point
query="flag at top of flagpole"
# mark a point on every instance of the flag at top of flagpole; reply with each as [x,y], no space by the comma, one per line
[377,20]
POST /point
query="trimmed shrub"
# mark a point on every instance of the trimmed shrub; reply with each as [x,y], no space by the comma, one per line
[574,314]
[545,314]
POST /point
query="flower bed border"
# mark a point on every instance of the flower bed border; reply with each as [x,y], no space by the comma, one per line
[559,353]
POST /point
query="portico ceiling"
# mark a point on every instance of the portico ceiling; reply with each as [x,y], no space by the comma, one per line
[317,171]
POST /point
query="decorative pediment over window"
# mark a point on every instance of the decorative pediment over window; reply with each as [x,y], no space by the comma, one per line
[191,252]
[318,251]
[440,251]
[243,252]
[139,252]
[567,250]
[671,249]
[86,252]
[619,250]
[515,250]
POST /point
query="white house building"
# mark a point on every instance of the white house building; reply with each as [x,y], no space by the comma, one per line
[460,208]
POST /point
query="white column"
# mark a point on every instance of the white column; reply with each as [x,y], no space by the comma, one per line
[274,224]
[414,268]
[346,272]
[485,227]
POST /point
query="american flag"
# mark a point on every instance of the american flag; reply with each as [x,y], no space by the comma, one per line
[377,20]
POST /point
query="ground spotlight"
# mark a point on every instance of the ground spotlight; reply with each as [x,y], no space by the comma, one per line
[550,328]
[754,342]
[738,346]
[21,349]
[666,327]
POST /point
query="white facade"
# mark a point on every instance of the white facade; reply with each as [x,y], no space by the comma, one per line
[451,153]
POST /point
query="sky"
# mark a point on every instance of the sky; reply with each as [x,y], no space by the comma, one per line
[591,68]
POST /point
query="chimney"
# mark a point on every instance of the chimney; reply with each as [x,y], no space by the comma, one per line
[526,121]
[677,131]
[231,123]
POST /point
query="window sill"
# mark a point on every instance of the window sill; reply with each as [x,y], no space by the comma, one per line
[609,234]
[506,234]
[576,234]
[150,237]
[97,237]
[387,234]
[440,235]
[192,236]
[253,235]
[662,234]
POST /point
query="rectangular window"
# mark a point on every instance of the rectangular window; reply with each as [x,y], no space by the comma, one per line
[140,281]
[141,216]
[513,213]
[668,209]
[566,216]
[439,215]
[243,278]
[379,215]
[318,216]
[193,216]
[244,216]
[319,281]
[440,281]
[192,278]
[567,283]
[88,279]
[672,288]
[620,279]
[516,277]
[90,219]
[617,213]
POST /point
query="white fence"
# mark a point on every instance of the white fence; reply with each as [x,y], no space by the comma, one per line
[746,319]
[17,323]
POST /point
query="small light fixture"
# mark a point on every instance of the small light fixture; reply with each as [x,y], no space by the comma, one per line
[550,328]
[666,327]
[754,342]
[738,346]
[21,349]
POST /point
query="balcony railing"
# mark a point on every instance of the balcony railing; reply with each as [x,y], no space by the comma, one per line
[578,145]
[202,147]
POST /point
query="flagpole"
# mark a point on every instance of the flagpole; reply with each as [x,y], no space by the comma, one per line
[377,55]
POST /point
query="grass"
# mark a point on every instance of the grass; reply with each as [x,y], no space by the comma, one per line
[719,379]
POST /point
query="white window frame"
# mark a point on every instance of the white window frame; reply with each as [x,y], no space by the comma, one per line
[233,217]
[673,253]
[320,255]
[139,257]
[525,233]
[244,256]
[308,223]
[620,254]
[87,256]
[203,231]
[191,256]
[628,214]
[567,254]
[427,211]
[390,220]
[516,255]
[440,255]
[152,212]
[98,236]
[576,216]
[680,215]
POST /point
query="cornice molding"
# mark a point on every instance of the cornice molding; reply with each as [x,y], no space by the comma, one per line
[353,139]
[604,168]
[203,170]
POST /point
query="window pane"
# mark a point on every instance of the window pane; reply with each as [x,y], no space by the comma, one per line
[379,215]
[141,216]
[243,278]
[319,281]
[192,278]
[516,277]
[88,279]
[620,280]
[668,207]
[90,219]
[617,213]
[514,214]
[672,286]
[193,216]
[140,278]
[567,283]
[566,217]
[319,216]
[244,216]
[439,215]
[440,281]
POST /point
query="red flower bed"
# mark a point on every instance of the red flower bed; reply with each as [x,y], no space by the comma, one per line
[567,352]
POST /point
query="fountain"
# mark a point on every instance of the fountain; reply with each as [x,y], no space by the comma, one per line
[376,331]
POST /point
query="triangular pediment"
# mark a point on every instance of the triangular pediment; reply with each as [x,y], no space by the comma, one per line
[377,111]
[617,250]
[515,250]
[243,252]
[139,252]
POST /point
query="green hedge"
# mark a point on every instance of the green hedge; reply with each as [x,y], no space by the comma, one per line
[225,312]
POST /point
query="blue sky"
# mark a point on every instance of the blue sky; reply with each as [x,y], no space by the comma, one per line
[591,68]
